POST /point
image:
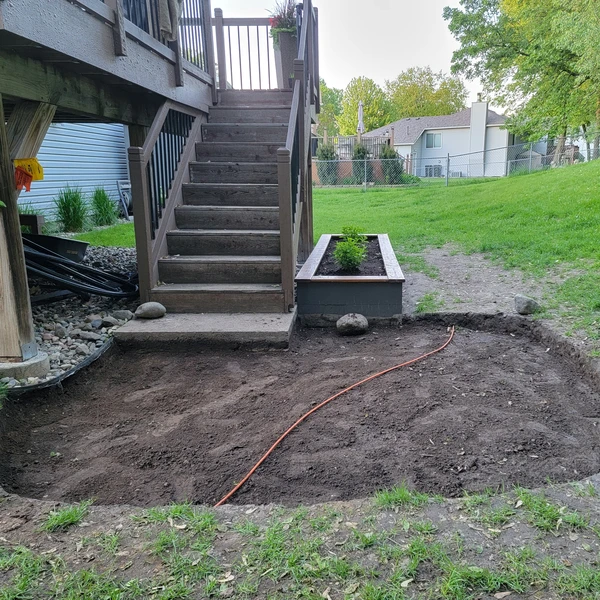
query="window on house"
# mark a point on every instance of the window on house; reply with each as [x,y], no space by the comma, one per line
[433,140]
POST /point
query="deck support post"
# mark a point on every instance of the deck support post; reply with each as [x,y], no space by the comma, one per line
[21,137]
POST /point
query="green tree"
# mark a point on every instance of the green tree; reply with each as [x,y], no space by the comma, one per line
[375,105]
[419,92]
[331,109]
[524,53]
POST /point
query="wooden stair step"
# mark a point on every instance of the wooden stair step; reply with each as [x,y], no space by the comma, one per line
[245,132]
[227,217]
[233,172]
[237,152]
[220,269]
[190,242]
[230,194]
[220,297]
[249,114]
[255,97]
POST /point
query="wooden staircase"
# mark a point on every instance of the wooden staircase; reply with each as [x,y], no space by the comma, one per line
[224,254]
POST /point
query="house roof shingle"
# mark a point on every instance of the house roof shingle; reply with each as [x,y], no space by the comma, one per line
[408,131]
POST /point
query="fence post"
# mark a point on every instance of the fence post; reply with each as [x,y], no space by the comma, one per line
[221,59]
[530,157]
[365,182]
[448,170]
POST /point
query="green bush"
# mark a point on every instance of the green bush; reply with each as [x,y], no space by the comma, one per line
[360,154]
[328,171]
[71,209]
[104,210]
[392,166]
[408,179]
[351,250]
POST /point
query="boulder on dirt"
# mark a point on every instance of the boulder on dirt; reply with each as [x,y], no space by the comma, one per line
[122,315]
[352,324]
[525,305]
[150,310]
[109,322]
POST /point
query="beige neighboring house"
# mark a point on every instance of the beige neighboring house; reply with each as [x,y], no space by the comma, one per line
[474,138]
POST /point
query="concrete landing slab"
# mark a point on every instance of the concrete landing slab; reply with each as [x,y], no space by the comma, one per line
[38,366]
[256,330]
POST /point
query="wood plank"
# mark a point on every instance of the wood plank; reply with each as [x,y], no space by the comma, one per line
[311,265]
[27,128]
[10,346]
[392,268]
[29,79]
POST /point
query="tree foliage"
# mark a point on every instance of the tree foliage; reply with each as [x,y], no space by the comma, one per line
[534,56]
[331,109]
[375,105]
[419,92]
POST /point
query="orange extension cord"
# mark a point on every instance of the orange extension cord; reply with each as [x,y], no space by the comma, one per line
[316,408]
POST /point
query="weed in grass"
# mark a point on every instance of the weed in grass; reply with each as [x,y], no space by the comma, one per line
[584,582]
[71,209]
[429,303]
[497,516]
[382,592]
[26,570]
[168,541]
[63,518]
[198,521]
[110,542]
[400,496]
[417,264]
[547,516]
[247,528]
[424,527]
[585,490]
[104,210]
[471,501]
[83,584]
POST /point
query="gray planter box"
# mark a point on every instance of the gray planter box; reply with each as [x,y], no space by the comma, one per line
[324,299]
[285,53]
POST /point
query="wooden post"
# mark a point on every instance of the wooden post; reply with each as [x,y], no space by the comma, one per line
[120,39]
[210,47]
[221,58]
[392,139]
[141,221]
[286,232]
[21,137]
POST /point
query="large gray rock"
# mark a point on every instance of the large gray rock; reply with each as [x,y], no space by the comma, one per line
[122,315]
[109,322]
[91,336]
[352,324]
[150,310]
[525,305]
[60,331]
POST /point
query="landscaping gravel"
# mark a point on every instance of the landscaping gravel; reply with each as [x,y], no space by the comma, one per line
[72,329]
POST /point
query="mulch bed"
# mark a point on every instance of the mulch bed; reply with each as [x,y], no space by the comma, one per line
[148,428]
[372,265]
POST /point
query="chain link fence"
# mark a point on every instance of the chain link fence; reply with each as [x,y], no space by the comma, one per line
[445,170]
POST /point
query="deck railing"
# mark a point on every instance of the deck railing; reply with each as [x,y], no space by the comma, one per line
[158,171]
[294,159]
[244,50]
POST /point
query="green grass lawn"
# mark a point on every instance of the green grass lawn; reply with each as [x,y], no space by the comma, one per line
[119,235]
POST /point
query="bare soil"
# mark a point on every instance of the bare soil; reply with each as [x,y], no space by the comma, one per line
[372,264]
[493,409]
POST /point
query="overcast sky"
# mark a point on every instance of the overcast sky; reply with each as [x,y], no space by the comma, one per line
[374,38]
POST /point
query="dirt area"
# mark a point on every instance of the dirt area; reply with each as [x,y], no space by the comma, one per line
[492,409]
[372,264]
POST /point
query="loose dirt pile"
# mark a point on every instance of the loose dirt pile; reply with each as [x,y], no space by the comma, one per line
[141,428]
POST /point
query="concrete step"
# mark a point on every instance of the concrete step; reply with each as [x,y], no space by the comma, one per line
[258,330]
[247,114]
[232,242]
[255,98]
[245,132]
[227,217]
[230,194]
[220,269]
[220,297]
[251,152]
[231,172]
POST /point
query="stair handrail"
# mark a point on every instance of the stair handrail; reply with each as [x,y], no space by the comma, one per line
[158,170]
[294,163]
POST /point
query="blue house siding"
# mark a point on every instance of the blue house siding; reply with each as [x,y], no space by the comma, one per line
[85,155]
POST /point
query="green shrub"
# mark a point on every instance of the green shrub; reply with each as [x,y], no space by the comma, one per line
[392,166]
[71,209]
[351,250]
[408,179]
[104,210]
[360,154]
[328,171]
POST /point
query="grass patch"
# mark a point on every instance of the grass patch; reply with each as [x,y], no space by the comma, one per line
[546,516]
[429,303]
[63,518]
[400,496]
[121,235]
[417,264]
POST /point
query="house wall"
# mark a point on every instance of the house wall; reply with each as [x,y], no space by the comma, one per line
[454,141]
[79,154]
[496,154]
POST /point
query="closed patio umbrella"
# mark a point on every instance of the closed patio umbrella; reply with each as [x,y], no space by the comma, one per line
[361,116]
